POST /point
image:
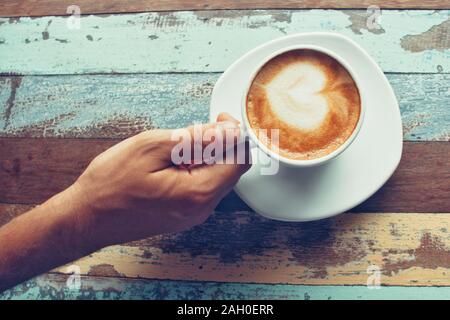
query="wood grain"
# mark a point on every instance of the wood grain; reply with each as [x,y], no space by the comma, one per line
[16,8]
[31,170]
[43,165]
[410,249]
[207,41]
[53,286]
[117,106]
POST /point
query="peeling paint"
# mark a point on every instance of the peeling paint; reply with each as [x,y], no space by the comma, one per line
[14,20]
[281,16]
[304,243]
[106,270]
[117,106]
[163,20]
[15,84]
[194,30]
[45,33]
[249,234]
[359,22]
[251,19]
[241,242]
[432,253]
[53,286]
[119,126]
[436,38]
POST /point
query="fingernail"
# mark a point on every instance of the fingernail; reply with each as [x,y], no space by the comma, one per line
[227,125]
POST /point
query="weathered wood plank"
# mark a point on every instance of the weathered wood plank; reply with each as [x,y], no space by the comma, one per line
[53,286]
[116,106]
[103,106]
[32,170]
[409,249]
[46,166]
[206,41]
[17,8]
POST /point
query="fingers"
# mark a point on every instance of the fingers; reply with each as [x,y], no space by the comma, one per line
[206,133]
[219,176]
[196,144]
[211,182]
[193,146]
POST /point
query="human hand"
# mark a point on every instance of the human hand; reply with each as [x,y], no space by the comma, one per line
[133,190]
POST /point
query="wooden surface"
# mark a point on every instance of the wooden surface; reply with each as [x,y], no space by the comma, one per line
[15,8]
[66,95]
[411,249]
[53,286]
[31,170]
[206,41]
[117,106]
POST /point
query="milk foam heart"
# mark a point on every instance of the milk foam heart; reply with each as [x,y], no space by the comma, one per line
[310,98]
[294,95]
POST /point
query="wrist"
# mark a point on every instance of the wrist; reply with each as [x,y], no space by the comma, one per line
[77,217]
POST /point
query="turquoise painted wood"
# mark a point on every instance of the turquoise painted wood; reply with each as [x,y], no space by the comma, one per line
[162,44]
[209,41]
[5,94]
[121,105]
[54,287]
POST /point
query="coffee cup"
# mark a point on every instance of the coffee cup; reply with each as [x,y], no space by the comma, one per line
[307,113]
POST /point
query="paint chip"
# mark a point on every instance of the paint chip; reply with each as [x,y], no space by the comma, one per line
[359,22]
[435,38]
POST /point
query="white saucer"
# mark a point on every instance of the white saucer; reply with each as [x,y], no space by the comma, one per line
[319,192]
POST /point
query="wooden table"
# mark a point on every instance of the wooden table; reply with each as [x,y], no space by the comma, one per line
[66,95]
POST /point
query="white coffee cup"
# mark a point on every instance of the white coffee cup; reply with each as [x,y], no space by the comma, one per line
[255,142]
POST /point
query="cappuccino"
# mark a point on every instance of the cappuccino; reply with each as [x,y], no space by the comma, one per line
[310,98]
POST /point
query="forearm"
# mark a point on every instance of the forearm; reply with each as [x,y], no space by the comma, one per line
[48,236]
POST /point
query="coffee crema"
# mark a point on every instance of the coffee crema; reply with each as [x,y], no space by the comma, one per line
[310,98]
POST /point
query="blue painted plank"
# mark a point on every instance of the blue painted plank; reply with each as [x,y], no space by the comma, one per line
[112,106]
[54,287]
[209,41]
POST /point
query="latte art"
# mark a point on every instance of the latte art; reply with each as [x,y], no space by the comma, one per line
[295,96]
[310,97]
